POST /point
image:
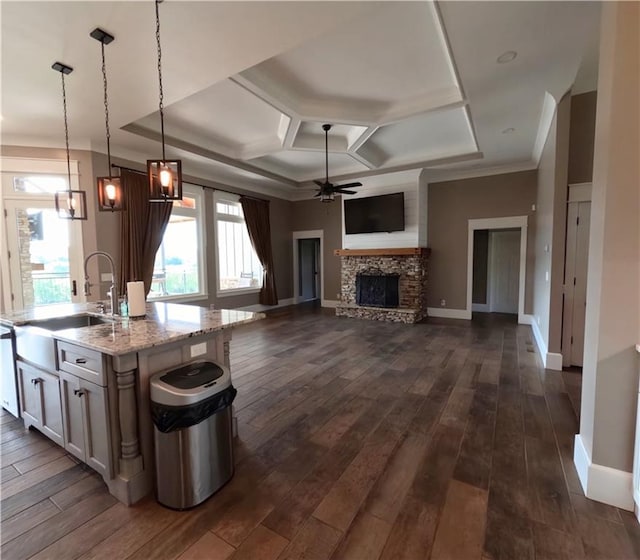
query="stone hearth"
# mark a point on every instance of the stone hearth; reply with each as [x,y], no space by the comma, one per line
[410,264]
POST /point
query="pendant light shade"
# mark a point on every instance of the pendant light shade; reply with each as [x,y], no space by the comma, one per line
[70,204]
[165,176]
[110,196]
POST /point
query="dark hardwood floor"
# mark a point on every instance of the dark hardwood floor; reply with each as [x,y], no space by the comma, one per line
[357,440]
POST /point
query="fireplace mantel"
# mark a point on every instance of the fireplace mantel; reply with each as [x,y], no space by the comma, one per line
[421,251]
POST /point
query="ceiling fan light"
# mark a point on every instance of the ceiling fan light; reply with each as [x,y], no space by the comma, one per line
[327,197]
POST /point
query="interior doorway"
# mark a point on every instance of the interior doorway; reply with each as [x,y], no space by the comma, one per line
[308,268]
[308,284]
[496,270]
[509,262]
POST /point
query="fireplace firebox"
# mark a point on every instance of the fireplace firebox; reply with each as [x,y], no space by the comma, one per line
[377,289]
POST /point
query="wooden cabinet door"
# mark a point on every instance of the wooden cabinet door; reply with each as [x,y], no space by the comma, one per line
[30,386]
[51,407]
[96,429]
[73,416]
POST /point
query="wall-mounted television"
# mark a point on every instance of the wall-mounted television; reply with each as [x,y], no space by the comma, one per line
[384,213]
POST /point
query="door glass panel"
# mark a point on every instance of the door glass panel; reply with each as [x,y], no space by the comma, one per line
[43,242]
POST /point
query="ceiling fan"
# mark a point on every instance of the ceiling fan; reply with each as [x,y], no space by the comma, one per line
[328,190]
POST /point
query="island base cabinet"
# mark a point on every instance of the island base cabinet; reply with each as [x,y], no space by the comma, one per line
[40,401]
[84,410]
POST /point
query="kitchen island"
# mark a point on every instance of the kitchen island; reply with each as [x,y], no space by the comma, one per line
[87,387]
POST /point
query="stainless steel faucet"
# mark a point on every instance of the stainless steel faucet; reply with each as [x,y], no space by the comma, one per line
[113,290]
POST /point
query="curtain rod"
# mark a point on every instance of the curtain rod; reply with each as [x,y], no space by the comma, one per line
[191,183]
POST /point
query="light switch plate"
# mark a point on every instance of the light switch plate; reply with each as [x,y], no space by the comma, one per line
[198,349]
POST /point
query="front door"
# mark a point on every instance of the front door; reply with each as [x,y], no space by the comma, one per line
[45,255]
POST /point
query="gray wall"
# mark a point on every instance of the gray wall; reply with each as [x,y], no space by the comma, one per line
[450,205]
[550,228]
[610,373]
[581,135]
[312,214]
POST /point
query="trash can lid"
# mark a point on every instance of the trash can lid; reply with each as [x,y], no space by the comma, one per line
[189,384]
[193,375]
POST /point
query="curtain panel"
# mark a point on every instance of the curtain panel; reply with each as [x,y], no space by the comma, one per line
[256,215]
[142,227]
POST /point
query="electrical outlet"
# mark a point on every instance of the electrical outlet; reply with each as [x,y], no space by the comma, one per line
[443,303]
[338,296]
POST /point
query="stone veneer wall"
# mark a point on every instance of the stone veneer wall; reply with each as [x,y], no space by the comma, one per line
[412,270]
[26,271]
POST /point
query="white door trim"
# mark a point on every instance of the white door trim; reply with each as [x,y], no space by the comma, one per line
[499,223]
[309,234]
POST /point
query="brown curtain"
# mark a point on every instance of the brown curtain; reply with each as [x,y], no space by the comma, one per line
[256,214]
[143,225]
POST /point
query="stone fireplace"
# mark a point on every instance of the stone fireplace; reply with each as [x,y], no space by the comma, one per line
[384,284]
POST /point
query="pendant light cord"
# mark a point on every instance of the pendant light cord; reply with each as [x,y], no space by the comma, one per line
[66,130]
[161,104]
[106,107]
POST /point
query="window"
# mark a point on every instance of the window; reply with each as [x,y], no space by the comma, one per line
[179,267]
[239,269]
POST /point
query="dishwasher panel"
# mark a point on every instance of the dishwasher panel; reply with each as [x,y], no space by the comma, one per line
[9,388]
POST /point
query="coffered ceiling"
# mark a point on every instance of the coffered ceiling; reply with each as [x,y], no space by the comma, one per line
[248,85]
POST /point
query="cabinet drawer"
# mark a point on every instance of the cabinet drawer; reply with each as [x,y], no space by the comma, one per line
[86,364]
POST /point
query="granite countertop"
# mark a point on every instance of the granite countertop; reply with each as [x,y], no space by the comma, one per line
[162,324]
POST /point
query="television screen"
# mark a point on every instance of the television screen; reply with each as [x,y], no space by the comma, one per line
[374,213]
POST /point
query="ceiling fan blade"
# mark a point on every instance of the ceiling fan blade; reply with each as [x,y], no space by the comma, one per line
[344,192]
[349,185]
[319,183]
[319,193]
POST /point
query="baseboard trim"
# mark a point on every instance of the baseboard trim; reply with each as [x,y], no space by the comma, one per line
[550,360]
[330,303]
[600,483]
[260,307]
[449,313]
[554,361]
[540,343]
[524,319]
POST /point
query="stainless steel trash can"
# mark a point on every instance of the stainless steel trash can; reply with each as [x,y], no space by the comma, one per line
[191,410]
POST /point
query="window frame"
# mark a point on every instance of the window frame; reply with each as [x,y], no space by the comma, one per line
[225,197]
[192,191]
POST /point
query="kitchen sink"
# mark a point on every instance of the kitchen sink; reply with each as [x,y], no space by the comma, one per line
[35,343]
[72,322]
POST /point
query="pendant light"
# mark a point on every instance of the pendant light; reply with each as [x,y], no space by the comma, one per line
[70,204]
[165,176]
[110,196]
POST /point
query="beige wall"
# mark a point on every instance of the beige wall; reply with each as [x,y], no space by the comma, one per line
[450,206]
[313,214]
[582,130]
[610,373]
[549,228]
